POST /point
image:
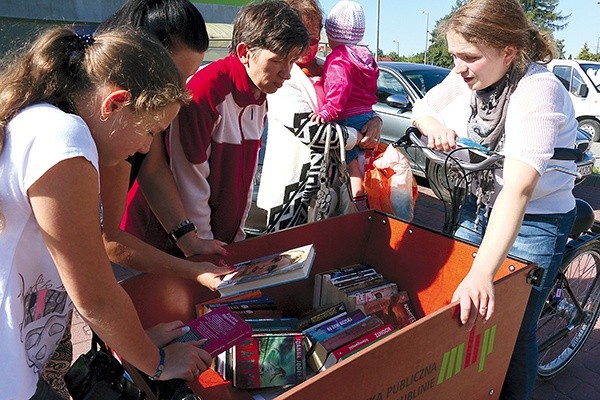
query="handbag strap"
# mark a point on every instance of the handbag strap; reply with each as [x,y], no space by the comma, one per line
[343,167]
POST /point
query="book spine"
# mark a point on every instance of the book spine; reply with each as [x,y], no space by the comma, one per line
[331,327]
[273,324]
[362,342]
[246,368]
[317,291]
[364,297]
[322,316]
[351,333]
[300,362]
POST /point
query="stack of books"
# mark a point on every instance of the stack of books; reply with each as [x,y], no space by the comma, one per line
[354,307]
[373,308]
[272,355]
[333,333]
[354,285]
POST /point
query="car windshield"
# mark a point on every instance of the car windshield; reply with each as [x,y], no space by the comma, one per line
[425,79]
[593,71]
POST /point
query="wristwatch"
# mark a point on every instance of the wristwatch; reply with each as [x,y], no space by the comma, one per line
[184,227]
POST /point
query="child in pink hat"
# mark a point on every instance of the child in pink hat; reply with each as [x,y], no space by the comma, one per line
[350,82]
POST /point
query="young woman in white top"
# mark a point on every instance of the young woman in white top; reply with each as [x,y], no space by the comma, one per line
[69,104]
[499,96]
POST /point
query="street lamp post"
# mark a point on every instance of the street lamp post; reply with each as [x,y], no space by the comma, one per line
[397,47]
[377,40]
[426,35]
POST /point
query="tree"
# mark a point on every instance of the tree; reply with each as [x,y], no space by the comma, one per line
[541,12]
[438,48]
[586,54]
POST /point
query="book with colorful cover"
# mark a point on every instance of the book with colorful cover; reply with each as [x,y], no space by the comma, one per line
[223,329]
[274,269]
[269,360]
[332,326]
[395,310]
[319,352]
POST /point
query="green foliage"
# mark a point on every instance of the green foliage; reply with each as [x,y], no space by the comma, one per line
[542,13]
[586,54]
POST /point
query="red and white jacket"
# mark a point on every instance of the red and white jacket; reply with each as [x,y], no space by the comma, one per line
[213,146]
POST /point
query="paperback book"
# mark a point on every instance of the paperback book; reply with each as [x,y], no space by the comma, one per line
[321,314]
[322,296]
[328,328]
[222,328]
[319,352]
[269,360]
[354,346]
[274,269]
[254,294]
[271,325]
[395,310]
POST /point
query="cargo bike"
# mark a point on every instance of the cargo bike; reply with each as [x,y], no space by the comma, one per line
[433,358]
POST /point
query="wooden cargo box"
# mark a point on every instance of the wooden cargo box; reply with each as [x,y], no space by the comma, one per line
[433,358]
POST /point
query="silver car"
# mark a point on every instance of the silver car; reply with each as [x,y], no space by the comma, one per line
[399,86]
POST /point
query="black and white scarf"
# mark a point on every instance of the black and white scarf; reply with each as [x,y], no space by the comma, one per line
[486,126]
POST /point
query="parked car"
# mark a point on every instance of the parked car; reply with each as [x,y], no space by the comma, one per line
[582,80]
[399,86]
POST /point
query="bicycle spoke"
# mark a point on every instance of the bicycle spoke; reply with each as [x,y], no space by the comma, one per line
[571,310]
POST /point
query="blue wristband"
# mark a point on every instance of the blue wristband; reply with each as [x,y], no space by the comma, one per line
[161,365]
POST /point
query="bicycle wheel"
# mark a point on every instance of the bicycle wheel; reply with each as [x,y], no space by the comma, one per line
[571,309]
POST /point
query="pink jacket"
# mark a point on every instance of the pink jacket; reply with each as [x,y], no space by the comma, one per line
[350,82]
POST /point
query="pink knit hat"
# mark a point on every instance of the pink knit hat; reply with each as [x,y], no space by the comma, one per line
[346,22]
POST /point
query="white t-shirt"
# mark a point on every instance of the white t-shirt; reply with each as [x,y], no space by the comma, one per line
[539,118]
[35,305]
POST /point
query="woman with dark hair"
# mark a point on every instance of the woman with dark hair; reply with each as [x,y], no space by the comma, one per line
[181,29]
[501,97]
[177,24]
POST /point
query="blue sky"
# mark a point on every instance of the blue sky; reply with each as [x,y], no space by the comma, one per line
[401,21]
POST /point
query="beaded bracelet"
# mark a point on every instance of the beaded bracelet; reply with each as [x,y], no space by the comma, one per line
[184,227]
[161,365]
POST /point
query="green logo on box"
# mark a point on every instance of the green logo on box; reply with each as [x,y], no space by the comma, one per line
[477,350]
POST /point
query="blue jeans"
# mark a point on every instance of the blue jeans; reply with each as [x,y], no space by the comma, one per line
[356,122]
[541,239]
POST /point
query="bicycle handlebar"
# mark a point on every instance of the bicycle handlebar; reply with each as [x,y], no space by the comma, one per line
[491,159]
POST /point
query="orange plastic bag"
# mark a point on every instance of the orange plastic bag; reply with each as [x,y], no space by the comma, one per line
[390,184]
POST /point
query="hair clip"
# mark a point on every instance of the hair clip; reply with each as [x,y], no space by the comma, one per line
[85,40]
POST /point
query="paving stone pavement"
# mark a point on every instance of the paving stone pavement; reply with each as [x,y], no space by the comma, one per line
[580,380]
